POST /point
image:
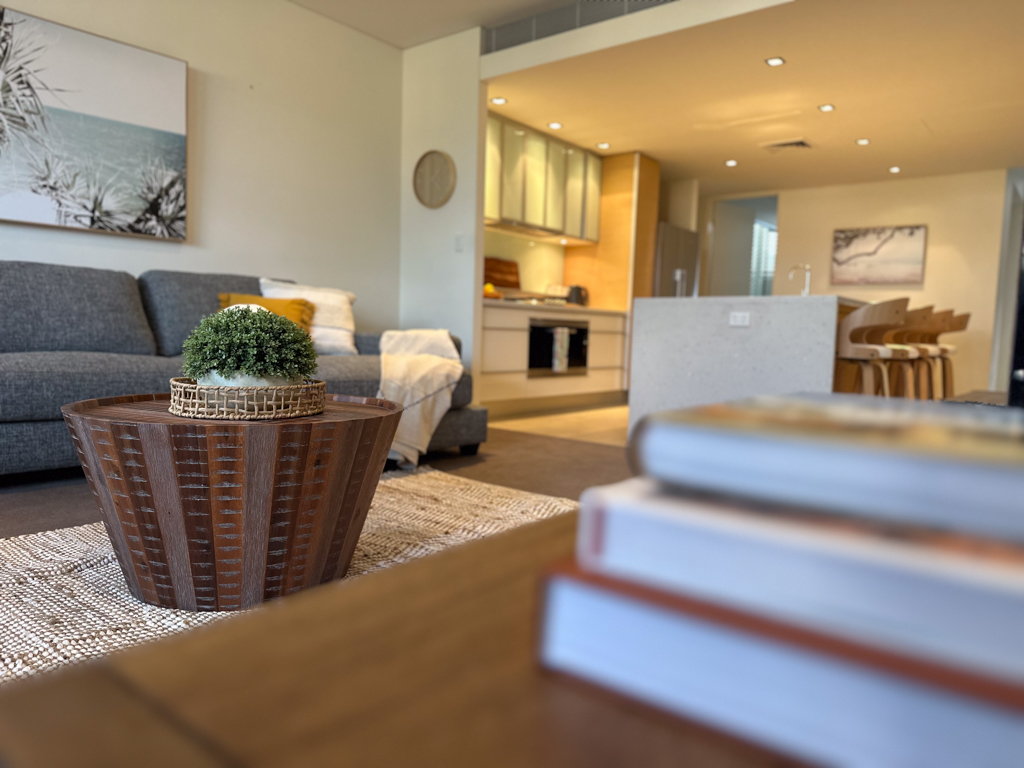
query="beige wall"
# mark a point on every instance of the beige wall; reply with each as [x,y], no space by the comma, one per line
[540,264]
[964,215]
[679,203]
[294,138]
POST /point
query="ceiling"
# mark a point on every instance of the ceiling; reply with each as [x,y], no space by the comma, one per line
[936,85]
[405,23]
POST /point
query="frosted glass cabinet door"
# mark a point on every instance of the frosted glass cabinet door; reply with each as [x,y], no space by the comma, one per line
[492,170]
[575,173]
[536,177]
[512,166]
[554,215]
[592,218]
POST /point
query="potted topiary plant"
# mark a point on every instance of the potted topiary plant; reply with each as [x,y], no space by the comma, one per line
[246,362]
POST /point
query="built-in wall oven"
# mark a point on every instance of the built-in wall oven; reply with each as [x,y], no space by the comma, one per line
[558,347]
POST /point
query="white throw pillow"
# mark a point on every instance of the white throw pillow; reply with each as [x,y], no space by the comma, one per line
[333,327]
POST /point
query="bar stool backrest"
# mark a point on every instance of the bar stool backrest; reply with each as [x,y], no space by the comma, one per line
[856,325]
[915,319]
[940,323]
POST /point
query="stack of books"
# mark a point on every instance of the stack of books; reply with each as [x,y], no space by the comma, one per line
[838,578]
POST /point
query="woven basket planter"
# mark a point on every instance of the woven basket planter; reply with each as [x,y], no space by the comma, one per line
[199,401]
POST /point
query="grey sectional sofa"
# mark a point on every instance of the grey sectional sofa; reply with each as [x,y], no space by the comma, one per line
[72,333]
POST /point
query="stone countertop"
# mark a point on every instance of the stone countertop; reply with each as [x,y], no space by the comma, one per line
[569,309]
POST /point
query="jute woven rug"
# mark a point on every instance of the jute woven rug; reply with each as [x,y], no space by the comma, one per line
[63,599]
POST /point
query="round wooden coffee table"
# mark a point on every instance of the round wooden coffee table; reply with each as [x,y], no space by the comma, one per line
[211,515]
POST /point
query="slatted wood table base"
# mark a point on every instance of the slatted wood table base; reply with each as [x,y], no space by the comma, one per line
[218,516]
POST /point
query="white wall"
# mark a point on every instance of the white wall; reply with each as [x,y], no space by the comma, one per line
[294,136]
[540,264]
[732,242]
[443,108]
[964,214]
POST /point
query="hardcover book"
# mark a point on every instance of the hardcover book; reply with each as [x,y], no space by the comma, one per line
[946,465]
[814,695]
[950,596]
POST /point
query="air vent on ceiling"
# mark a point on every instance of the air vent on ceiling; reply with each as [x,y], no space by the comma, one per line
[560,19]
[779,146]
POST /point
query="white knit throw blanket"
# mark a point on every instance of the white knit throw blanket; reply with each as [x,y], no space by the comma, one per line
[419,369]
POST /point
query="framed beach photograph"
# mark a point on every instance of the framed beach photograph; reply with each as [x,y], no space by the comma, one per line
[879,255]
[92,131]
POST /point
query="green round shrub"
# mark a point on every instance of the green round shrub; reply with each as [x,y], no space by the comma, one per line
[257,343]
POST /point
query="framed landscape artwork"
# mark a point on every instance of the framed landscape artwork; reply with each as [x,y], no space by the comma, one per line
[879,255]
[92,132]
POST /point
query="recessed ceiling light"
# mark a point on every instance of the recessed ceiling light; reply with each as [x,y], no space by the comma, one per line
[554,126]
[775,61]
[894,169]
[826,108]
[499,100]
[731,163]
[604,145]
[863,142]
[563,241]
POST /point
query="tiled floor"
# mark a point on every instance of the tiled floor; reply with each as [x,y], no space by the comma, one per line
[607,426]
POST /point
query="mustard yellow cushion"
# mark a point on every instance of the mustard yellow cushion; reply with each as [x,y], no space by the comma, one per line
[299,311]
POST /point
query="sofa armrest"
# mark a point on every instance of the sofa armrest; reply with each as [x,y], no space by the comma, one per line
[369,343]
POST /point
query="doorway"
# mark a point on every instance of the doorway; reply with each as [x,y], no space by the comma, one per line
[744,245]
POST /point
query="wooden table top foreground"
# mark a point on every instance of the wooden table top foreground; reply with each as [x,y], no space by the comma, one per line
[428,663]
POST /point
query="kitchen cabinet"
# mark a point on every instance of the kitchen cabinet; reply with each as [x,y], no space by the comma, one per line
[535,178]
[492,172]
[513,150]
[505,336]
[540,185]
[554,215]
[619,266]
[575,186]
[592,210]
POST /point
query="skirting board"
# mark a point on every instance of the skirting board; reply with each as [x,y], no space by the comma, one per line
[539,406]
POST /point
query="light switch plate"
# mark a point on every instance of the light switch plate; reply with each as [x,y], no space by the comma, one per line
[739,319]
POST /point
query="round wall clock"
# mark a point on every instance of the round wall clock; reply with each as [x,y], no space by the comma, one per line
[434,179]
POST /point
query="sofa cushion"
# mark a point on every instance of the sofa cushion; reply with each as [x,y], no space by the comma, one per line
[34,385]
[176,301]
[56,308]
[350,374]
[360,376]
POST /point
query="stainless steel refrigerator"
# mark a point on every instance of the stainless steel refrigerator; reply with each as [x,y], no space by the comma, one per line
[676,262]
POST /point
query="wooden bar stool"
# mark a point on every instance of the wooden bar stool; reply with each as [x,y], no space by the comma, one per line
[901,366]
[925,339]
[957,324]
[852,347]
[917,323]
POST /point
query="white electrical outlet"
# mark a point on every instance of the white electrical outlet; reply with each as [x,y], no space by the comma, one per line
[739,319]
[460,242]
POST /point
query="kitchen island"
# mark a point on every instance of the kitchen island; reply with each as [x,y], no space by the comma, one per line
[696,351]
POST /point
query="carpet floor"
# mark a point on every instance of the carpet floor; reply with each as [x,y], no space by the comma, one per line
[527,462]
[63,598]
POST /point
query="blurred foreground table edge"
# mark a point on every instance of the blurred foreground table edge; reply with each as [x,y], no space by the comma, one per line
[428,663]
